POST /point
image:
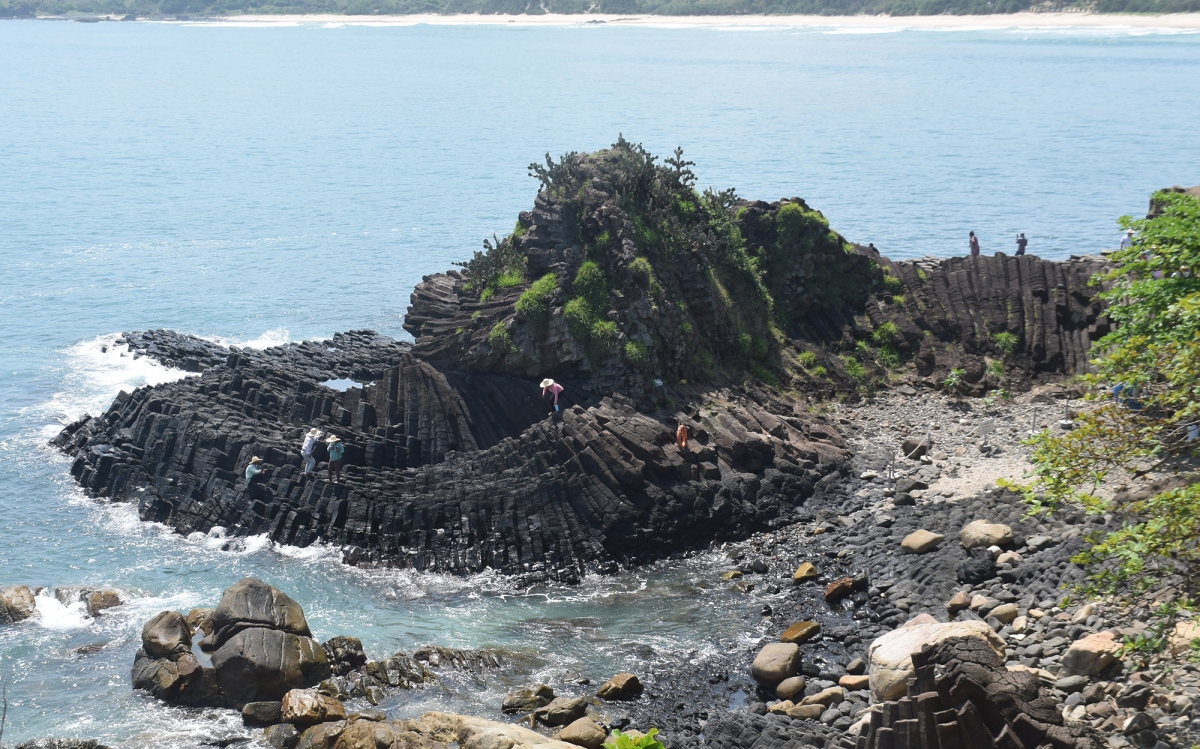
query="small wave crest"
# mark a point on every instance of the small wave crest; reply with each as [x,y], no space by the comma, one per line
[53,614]
[269,339]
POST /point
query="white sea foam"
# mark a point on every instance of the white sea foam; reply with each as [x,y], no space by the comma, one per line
[269,339]
[96,370]
[53,614]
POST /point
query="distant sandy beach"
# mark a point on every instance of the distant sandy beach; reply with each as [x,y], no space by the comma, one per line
[1013,20]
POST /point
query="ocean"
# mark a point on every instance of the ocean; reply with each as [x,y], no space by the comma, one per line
[258,185]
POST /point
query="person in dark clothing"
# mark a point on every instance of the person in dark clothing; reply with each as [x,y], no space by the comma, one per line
[1022,243]
[974,245]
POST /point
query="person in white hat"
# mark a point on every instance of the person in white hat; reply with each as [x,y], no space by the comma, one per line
[253,469]
[336,451]
[553,387]
[306,450]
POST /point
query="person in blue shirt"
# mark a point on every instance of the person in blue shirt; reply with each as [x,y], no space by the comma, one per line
[336,451]
[253,469]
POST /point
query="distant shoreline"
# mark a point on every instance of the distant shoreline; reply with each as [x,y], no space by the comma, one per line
[996,21]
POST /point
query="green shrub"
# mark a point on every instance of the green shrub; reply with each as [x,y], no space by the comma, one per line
[1006,343]
[686,326]
[922,275]
[854,368]
[500,339]
[603,337]
[888,357]
[579,319]
[534,303]
[954,380]
[862,348]
[592,286]
[486,295]
[885,335]
[818,371]
[620,740]
[760,349]
[892,284]
[764,374]
[476,314]
[509,279]
[808,359]
[995,368]
[745,343]
[635,352]
[641,269]
[898,300]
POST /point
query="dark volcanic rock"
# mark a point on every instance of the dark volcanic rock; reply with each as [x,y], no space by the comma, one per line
[262,665]
[251,603]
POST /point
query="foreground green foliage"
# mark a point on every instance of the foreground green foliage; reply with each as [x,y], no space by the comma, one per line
[29,8]
[534,302]
[620,740]
[1149,425]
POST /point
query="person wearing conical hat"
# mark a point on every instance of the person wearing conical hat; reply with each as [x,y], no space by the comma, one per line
[549,385]
[253,469]
[306,450]
[336,451]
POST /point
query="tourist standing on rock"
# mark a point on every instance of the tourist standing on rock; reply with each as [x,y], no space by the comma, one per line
[974,245]
[336,451]
[1127,240]
[252,469]
[681,436]
[1022,243]
[306,450]
[553,387]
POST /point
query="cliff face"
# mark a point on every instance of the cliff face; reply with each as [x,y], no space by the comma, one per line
[655,305]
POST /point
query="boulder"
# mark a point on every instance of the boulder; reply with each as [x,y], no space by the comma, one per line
[200,620]
[776,662]
[262,713]
[1090,655]
[252,604]
[322,735]
[16,604]
[826,697]
[477,733]
[978,567]
[801,632]
[915,447]
[306,707]
[790,687]
[345,654]
[527,699]
[100,600]
[921,541]
[982,533]
[623,686]
[839,589]
[561,711]
[960,601]
[583,732]
[890,655]
[805,572]
[282,736]
[258,664]
[1005,612]
[166,635]
[854,683]
[180,680]
[806,712]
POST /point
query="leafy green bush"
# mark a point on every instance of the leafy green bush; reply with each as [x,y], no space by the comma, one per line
[818,371]
[534,302]
[486,295]
[898,300]
[885,335]
[500,339]
[888,357]
[1006,343]
[499,260]
[891,284]
[1148,387]
[954,380]
[764,374]
[854,368]
[862,348]
[579,319]
[509,278]
[635,352]
[641,269]
[808,359]
[620,740]
[922,275]
[995,368]
[603,336]
[591,284]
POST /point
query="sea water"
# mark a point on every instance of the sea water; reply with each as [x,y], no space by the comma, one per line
[260,185]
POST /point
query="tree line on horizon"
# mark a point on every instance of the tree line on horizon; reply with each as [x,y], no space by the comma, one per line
[175,8]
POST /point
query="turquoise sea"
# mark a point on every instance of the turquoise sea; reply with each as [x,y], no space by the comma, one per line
[261,185]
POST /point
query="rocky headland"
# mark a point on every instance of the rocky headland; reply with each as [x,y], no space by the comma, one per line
[847,416]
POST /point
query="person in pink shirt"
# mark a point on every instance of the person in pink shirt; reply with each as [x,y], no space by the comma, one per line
[553,387]
[974,244]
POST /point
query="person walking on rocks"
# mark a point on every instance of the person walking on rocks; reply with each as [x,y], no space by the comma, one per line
[974,245]
[253,469]
[681,436]
[306,450]
[553,387]
[1022,243]
[336,451]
